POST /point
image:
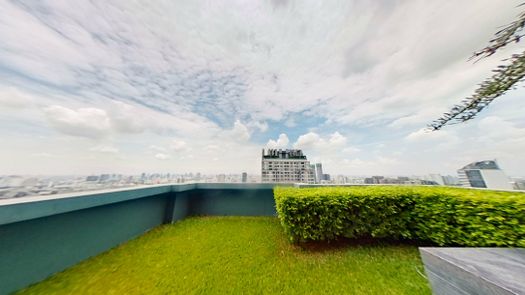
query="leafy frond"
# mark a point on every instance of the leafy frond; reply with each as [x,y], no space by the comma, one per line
[508,34]
[504,79]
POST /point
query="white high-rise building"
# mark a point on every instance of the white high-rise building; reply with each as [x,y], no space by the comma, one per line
[485,174]
[318,172]
[286,166]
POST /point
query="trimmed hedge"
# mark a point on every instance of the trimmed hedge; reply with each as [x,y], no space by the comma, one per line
[443,216]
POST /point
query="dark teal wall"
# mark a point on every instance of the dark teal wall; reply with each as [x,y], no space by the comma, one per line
[180,206]
[39,237]
[34,249]
[248,202]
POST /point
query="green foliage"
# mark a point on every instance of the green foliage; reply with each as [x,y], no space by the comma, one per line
[505,78]
[444,216]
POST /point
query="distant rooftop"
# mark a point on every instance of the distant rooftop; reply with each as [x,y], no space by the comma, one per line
[482,165]
[282,154]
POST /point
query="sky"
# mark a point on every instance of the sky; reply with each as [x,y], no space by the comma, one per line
[202,86]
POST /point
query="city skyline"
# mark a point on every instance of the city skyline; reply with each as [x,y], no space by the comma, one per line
[133,87]
[278,166]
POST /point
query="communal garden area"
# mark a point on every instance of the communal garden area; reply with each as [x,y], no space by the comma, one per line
[358,240]
[240,255]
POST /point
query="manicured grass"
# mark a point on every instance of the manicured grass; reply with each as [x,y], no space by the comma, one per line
[240,255]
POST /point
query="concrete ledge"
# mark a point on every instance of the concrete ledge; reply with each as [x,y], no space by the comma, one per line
[20,209]
[475,270]
[241,186]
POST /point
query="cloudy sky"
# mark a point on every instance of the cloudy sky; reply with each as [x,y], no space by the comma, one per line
[203,86]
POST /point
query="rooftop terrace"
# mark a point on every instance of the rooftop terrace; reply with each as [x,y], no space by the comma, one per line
[239,255]
[150,240]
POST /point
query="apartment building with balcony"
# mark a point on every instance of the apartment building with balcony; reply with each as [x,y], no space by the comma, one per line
[286,166]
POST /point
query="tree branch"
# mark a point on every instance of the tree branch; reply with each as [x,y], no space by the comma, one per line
[505,78]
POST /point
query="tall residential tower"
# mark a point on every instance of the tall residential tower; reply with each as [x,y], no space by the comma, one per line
[286,166]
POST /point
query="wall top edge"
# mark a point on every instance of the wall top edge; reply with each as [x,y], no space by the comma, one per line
[153,188]
[25,208]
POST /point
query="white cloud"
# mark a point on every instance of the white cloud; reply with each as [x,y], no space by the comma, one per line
[119,118]
[183,70]
[374,166]
[418,119]
[84,122]
[351,150]
[312,140]
[178,145]
[126,118]
[240,131]
[424,141]
[332,150]
[261,126]
[212,147]
[281,143]
[109,149]
[426,135]
[242,67]
[290,123]
[161,156]
[499,129]
[157,148]
[308,140]
[336,139]
[13,98]
[44,155]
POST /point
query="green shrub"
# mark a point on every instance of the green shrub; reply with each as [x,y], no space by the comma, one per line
[443,216]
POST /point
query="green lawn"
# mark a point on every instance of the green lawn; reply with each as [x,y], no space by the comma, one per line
[240,255]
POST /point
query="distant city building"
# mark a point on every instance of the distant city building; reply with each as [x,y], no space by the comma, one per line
[221,178]
[436,178]
[341,179]
[104,177]
[484,174]
[519,183]
[286,166]
[325,177]
[398,180]
[244,177]
[450,180]
[318,172]
[374,180]
[92,178]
